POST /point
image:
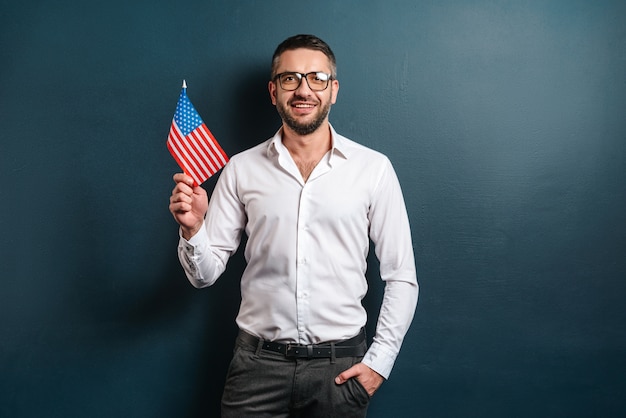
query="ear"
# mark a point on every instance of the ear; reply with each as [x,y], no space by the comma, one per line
[335,91]
[271,86]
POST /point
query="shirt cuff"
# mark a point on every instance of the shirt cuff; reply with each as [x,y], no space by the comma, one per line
[379,359]
[191,253]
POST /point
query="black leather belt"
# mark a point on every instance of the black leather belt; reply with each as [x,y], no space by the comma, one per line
[353,347]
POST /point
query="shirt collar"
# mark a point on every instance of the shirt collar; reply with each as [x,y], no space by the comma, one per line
[339,146]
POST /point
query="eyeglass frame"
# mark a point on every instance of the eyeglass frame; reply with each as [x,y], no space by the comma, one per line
[302,76]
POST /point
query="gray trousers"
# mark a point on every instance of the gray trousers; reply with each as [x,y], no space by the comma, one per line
[266,384]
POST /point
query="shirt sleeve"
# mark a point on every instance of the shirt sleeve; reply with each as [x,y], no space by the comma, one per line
[205,255]
[391,234]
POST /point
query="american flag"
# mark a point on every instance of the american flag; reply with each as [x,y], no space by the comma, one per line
[191,143]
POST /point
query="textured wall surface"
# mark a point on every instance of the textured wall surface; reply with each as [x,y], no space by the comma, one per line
[505,121]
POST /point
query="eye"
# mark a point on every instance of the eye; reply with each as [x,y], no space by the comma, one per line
[321,77]
[289,78]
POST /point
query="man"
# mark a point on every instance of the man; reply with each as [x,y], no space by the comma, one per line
[309,201]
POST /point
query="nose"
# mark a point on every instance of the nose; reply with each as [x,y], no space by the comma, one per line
[304,89]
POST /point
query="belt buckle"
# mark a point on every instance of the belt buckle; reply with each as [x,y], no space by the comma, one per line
[291,350]
[299,351]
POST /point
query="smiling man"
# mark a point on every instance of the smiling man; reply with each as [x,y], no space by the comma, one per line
[310,201]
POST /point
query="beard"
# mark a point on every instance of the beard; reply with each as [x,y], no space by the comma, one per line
[303,128]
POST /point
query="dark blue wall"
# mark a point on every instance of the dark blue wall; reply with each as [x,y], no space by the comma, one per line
[505,121]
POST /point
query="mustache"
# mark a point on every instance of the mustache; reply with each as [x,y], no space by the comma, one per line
[298,98]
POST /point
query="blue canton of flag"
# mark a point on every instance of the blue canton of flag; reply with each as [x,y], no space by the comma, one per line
[186,115]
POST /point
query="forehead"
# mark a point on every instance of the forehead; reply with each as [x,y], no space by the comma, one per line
[303,61]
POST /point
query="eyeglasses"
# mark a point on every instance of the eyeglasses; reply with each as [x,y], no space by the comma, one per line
[317,80]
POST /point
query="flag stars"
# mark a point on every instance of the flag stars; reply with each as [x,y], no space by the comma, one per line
[186,116]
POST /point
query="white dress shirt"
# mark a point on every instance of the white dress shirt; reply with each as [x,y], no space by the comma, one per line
[308,243]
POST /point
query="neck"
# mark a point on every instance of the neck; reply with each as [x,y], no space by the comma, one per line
[307,150]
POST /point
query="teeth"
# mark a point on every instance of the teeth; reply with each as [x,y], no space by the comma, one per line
[304,105]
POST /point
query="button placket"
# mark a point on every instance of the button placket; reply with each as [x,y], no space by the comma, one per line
[303,269]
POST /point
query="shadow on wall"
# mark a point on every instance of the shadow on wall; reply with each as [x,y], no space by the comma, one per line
[254,118]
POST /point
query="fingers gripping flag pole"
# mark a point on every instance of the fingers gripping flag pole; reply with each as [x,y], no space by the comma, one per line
[191,143]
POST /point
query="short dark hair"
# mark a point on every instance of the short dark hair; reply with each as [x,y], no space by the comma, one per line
[306,42]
